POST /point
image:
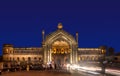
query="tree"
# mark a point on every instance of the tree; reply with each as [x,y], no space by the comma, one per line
[110,51]
[117,54]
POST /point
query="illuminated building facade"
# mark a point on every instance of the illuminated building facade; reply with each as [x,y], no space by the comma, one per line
[59,47]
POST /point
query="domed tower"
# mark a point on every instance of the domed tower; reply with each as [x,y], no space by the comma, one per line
[7,52]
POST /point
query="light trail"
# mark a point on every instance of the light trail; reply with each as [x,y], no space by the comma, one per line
[84,69]
[113,72]
[92,70]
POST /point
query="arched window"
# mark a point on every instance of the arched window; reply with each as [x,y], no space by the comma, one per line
[96,58]
[35,58]
[40,59]
[18,59]
[10,59]
[79,58]
[13,59]
[29,59]
[93,58]
[23,58]
[83,58]
[87,58]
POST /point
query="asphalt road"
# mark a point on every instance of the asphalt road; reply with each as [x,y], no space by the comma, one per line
[36,73]
[44,73]
[47,73]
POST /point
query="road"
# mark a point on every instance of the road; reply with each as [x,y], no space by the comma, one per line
[38,73]
[50,73]
[115,72]
[45,73]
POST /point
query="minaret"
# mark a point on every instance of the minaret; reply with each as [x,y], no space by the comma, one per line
[43,47]
[76,52]
[77,37]
[43,36]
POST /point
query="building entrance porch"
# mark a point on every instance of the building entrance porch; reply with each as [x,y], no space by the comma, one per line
[61,59]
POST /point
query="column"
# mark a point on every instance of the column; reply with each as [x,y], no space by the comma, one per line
[73,52]
[71,56]
[45,58]
[50,55]
[76,56]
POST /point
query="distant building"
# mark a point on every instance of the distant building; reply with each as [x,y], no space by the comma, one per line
[59,47]
[1,63]
[117,57]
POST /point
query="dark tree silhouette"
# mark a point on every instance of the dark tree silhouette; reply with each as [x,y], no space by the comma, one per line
[117,54]
[111,51]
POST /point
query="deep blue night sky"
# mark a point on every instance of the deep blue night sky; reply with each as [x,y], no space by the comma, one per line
[98,23]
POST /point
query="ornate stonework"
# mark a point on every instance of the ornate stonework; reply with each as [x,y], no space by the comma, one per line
[59,47]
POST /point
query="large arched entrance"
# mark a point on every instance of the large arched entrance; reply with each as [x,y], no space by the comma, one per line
[60,52]
[60,47]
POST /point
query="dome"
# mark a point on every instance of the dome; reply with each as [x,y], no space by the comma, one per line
[60,26]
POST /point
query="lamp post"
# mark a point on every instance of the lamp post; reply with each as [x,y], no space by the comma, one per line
[103,67]
[103,61]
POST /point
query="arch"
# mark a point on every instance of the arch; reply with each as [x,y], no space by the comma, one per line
[96,58]
[60,47]
[40,59]
[59,34]
[13,59]
[35,58]
[83,58]
[18,59]
[79,58]
[10,58]
[23,59]
[92,58]
[29,58]
[87,58]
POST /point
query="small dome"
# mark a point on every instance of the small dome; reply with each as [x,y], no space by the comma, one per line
[60,26]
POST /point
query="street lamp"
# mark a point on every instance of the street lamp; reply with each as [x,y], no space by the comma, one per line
[103,61]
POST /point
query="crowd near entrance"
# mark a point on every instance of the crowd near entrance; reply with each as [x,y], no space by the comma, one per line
[60,53]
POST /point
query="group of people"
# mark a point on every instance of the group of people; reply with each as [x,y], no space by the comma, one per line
[49,66]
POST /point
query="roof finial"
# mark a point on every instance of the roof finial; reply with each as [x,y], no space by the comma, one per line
[77,37]
[60,26]
[43,35]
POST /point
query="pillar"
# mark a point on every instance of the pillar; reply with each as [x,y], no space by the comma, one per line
[71,56]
